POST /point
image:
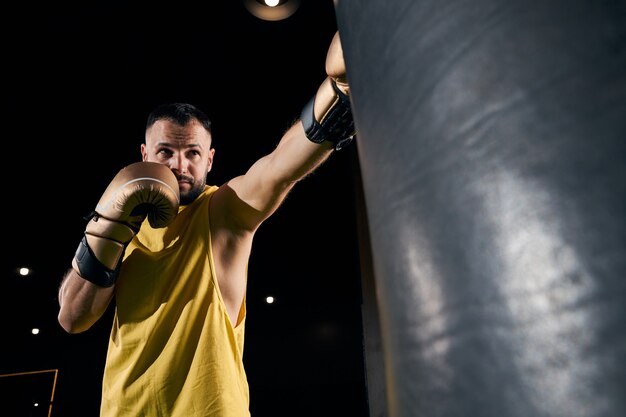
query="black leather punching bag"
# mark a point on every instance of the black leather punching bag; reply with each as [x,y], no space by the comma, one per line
[492,145]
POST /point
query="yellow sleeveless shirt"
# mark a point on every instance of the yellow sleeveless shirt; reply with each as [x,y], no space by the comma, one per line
[173,351]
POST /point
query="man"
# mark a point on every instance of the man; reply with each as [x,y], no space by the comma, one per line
[174,253]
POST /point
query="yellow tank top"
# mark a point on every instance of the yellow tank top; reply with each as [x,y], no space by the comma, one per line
[173,351]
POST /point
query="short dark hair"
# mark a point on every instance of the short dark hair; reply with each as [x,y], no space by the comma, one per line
[179,113]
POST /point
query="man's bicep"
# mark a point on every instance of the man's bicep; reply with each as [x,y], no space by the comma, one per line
[267,181]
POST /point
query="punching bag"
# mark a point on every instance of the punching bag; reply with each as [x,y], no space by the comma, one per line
[492,147]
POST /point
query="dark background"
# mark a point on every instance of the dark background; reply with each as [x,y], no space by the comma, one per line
[78,85]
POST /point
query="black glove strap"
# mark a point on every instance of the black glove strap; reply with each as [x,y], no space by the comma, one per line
[337,127]
[91,269]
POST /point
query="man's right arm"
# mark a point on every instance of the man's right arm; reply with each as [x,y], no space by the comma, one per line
[139,191]
[82,303]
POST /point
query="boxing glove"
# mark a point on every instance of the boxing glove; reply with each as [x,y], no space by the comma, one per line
[328,115]
[140,190]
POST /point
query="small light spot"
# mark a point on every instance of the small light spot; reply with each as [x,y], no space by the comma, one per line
[269,300]
[35,331]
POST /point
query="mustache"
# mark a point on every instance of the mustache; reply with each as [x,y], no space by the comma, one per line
[185,178]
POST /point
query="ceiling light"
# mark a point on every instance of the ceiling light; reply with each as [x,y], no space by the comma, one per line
[272,9]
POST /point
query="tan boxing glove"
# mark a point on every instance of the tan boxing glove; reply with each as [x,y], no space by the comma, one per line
[328,116]
[140,190]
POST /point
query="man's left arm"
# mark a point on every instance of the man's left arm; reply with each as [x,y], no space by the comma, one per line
[326,125]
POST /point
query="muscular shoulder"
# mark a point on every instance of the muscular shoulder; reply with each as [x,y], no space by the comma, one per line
[229,213]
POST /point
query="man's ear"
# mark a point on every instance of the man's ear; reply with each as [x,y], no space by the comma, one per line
[210,164]
[144,154]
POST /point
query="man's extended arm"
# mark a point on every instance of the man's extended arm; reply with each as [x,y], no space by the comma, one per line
[326,124]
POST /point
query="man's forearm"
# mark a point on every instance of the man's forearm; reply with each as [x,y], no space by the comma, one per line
[296,156]
[82,303]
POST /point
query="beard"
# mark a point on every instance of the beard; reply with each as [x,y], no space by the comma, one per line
[196,189]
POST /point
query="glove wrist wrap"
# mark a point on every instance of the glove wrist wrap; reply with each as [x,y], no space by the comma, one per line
[91,269]
[338,125]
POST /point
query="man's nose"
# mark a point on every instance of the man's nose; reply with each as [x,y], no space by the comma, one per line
[179,164]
